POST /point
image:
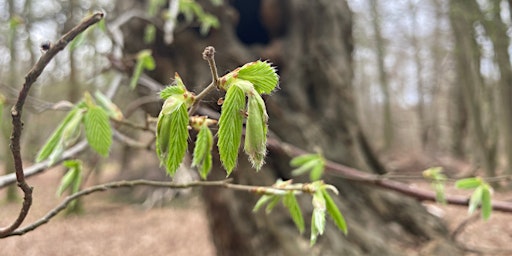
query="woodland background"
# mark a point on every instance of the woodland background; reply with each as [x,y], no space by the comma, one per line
[429,84]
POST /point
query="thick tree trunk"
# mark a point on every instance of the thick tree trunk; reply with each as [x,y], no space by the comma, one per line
[311,43]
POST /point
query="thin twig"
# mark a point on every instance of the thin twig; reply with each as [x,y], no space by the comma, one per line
[128,184]
[348,173]
[16,113]
[208,55]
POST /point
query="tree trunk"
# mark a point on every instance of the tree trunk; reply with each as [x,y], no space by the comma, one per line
[311,44]
[463,15]
[380,45]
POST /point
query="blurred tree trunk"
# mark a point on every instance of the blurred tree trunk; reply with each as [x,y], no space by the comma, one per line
[497,32]
[14,22]
[380,45]
[314,107]
[463,15]
[420,85]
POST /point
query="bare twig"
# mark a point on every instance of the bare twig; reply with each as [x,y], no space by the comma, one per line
[345,172]
[133,183]
[208,55]
[17,110]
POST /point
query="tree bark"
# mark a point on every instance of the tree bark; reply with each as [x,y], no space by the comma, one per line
[314,107]
[380,46]
[463,15]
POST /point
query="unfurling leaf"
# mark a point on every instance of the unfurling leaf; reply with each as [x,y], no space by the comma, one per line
[230,127]
[314,163]
[334,212]
[475,199]
[72,178]
[255,145]
[291,203]
[172,135]
[469,183]
[144,62]
[202,151]
[97,130]
[112,109]
[263,200]
[54,146]
[486,202]
[261,74]
[318,218]
[303,159]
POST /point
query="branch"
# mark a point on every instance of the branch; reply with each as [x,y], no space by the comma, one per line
[128,184]
[17,110]
[208,55]
[349,173]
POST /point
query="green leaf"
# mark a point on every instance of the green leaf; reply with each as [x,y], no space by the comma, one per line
[440,195]
[255,145]
[307,166]
[273,202]
[317,224]
[475,199]
[262,201]
[144,61]
[172,135]
[261,74]
[202,156]
[468,183]
[56,137]
[73,177]
[171,91]
[149,34]
[303,159]
[334,212]
[317,171]
[230,127]
[112,109]
[291,203]
[97,130]
[486,202]
[318,217]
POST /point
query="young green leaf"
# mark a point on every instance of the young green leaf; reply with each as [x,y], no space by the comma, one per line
[334,212]
[202,151]
[163,135]
[261,74]
[303,159]
[307,166]
[468,183]
[486,202]
[318,217]
[475,199]
[56,138]
[262,201]
[273,202]
[97,130]
[255,145]
[171,91]
[291,203]
[230,127]
[440,195]
[317,171]
[172,135]
[144,62]
[71,178]
[112,109]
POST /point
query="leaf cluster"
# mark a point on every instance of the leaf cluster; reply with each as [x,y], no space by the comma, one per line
[321,200]
[481,195]
[95,120]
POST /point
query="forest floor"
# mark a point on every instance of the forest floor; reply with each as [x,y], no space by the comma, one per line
[109,227]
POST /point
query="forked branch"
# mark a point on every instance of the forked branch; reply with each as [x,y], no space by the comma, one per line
[17,110]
